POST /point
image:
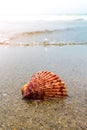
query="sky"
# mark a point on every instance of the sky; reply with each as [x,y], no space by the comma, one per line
[33,7]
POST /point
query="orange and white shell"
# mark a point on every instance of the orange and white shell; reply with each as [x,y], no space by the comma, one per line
[44,85]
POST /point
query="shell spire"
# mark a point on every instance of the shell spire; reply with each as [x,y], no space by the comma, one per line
[44,85]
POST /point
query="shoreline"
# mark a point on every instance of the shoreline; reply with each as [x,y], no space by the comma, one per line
[44,44]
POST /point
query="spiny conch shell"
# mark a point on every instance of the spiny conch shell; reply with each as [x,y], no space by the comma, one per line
[44,85]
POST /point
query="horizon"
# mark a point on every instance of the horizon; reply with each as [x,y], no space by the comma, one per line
[41,17]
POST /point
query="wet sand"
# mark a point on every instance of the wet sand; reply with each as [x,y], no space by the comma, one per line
[17,64]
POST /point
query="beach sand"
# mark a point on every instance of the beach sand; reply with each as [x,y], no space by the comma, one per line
[17,64]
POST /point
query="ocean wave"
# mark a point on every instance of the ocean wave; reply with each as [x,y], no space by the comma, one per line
[38,32]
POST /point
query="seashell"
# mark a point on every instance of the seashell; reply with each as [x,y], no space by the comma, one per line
[44,85]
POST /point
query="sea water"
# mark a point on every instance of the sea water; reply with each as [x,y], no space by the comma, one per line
[42,29]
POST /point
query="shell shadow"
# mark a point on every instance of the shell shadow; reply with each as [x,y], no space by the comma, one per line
[36,102]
